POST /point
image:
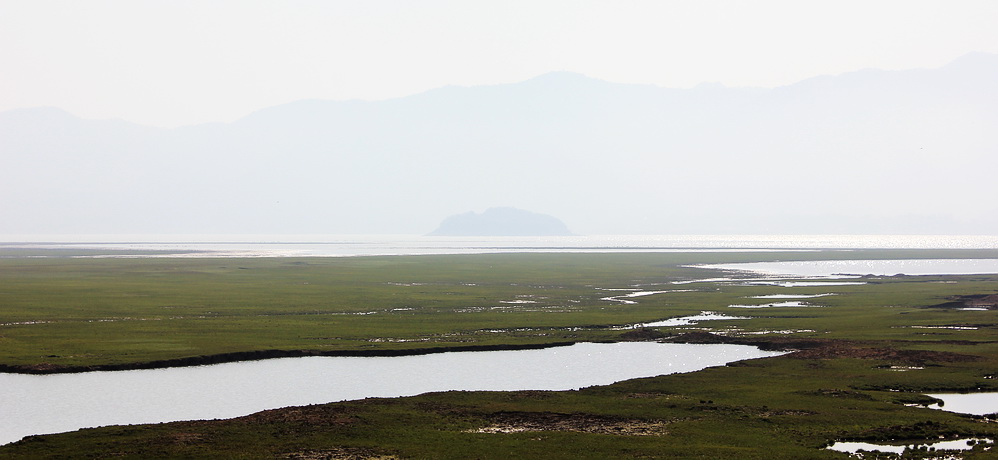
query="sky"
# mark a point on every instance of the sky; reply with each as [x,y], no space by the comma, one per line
[177,62]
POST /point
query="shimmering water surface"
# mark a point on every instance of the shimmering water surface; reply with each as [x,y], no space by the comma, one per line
[56,403]
[968,403]
[358,245]
[955,444]
[853,268]
[37,404]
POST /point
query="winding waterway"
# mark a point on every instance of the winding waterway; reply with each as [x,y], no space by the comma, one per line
[40,404]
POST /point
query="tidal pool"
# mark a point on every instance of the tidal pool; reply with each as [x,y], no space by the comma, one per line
[38,404]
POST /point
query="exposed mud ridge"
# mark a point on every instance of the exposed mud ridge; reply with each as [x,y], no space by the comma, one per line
[837,393]
[988,301]
[909,357]
[311,415]
[183,438]
[49,368]
[340,453]
[518,422]
[805,348]
[768,344]
[641,334]
[919,430]
[701,337]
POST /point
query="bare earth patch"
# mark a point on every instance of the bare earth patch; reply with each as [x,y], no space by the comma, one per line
[185,438]
[809,348]
[518,422]
[981,301]
[911,357]
[311,415]
[340,453]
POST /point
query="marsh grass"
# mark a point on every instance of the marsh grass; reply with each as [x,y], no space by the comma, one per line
[855,379]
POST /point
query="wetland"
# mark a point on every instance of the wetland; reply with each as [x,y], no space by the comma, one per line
[862,368]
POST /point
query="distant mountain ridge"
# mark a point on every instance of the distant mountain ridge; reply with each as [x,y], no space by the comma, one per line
[501,222]
[863,152]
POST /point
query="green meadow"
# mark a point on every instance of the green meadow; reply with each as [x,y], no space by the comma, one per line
[862,358]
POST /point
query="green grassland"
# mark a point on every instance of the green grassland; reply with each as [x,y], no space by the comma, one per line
[61,313]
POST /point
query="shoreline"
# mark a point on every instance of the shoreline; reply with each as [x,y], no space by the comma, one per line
[241,356]
[774,344]
[801,347]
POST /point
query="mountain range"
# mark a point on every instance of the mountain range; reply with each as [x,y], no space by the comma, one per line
[871,151]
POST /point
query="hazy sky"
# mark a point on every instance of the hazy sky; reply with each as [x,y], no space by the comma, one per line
[169,63]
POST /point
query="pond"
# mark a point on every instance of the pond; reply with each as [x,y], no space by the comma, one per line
[955,444]
[789,303]
[968,403]
[39,404]
[690,320]
[285,245]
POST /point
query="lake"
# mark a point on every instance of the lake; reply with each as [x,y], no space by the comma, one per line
[32,404]
[366,245]
[40,404]
[853,268]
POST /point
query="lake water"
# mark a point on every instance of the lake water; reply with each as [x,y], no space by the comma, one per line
[968,403]
[39,404]
[846,268]
[789,303]
[358,245]
[55,403]
[955,444]
[690,320]
[790,296]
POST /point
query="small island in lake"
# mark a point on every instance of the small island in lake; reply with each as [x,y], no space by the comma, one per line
[501,222]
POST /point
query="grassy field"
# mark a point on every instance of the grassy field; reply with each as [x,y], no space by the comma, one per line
[69,313]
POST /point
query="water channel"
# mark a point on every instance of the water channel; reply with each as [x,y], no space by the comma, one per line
[40,404]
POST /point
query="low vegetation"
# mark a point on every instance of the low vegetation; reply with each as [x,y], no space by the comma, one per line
[864,357]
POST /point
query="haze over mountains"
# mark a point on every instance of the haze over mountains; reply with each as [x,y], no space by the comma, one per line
[864,152]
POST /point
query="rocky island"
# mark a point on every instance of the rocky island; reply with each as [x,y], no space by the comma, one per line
[501,222]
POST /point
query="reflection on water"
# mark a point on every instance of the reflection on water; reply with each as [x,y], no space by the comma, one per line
[35,404]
